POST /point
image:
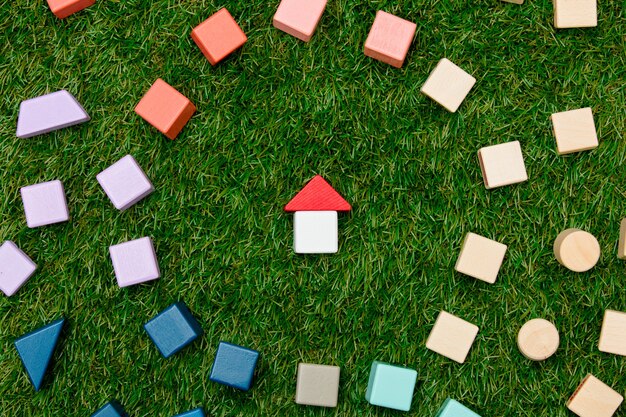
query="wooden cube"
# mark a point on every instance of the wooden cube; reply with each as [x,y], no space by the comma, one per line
[514,1]
[453,408]
[134,262]
[391,386]
[15,268]
[502,165]
[593,398]
[125,183]
[45,204]
[317,385]
[480,258]
[575,13]
[621,247]
[448,85]
[613,334]
[574,131]
[299,18]
[389,39]
[452,337]
[64,8]
[173,329]
[218,36]
[165,108]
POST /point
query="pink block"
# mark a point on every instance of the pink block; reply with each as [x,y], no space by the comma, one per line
[134,262]
[44,204]
[15,268]
[299,18]
[389,39]
[125,183]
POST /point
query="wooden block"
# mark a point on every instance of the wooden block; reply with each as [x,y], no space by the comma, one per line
[173,329]
[389,39]
[125,183]
[134,262]
[36,349]
[318,195]
[218,36]
[165,108]
[452,408]
[514,1]
[299,18]
[317,385]
[613,334]
[48,113]
[44,204]
[234,366]
[574,131]
[502,164]
[452,337]
[391,386]
[315,232]
[448,85]
[110,409]
[593,398]
[64,8]
[577,250]
[15,268]
[480,258]
[621,247]
[575,13]
[538,339]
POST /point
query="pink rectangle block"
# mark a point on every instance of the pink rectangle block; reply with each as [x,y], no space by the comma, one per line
[299,18]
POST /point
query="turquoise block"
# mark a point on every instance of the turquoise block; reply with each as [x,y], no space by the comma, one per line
[452,408]
[391,386]
[110,409]
[234,366]
[198,412]
[173,329]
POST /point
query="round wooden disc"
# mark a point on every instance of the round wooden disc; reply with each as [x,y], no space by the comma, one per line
[577,250]
[538,339]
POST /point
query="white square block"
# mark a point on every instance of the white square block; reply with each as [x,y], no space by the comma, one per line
[575,131]
[44,204]
[480,258]
[575,13]
[134,262]
[613,334]
[317,385]
[448,85]
[15,268]
[125,183]
[315,232]
[452,337]
[502,164]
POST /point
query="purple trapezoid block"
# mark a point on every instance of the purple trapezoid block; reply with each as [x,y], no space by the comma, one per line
[49,112]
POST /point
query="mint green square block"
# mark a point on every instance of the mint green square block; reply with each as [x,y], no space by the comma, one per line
[452,408]
[391,386]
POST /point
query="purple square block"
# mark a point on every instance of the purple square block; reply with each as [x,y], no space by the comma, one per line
[49,112]
[44,204]
[15,268]
[134,262]
[125,183]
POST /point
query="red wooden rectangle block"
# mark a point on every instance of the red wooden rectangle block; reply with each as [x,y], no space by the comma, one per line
[389,39]
[218,36]
[64,8]
[165,108]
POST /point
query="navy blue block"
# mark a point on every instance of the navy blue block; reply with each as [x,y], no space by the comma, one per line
[110,409]
[36,349]
[173,329]
[193,413]
[234,366]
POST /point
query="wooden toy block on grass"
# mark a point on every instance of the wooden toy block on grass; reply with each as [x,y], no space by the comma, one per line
[448,85]
[452,337]
[299,18]
[502,165]
[575,13]
[480,258]
[613,333]
[317,385]
[575,131]
[389,39]
[218,36]
[593,398]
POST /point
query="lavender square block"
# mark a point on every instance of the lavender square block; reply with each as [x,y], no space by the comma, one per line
[125,183]
[15,268]
[134,262]
[44,204]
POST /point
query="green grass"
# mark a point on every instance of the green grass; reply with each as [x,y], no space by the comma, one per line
[269,118]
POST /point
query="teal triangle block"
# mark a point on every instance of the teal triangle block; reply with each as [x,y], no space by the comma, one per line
[36,349]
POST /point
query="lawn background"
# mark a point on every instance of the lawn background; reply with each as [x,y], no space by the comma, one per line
[269,118]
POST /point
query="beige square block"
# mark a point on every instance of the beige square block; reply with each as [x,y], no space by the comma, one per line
[480,258]
[593,398]
[448,85]
[514,1]
[613,334]
[452,337]
[317,385]
[502,164]
[621,247]
[575,13]
[574,131]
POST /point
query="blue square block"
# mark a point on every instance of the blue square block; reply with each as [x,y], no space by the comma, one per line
[234,366]
[391,386]
[110,409]
[173,329]
[198,412]
[452,408]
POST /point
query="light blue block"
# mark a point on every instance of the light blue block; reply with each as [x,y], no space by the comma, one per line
[110,409]
[198,412]
[452,408]
[391,386]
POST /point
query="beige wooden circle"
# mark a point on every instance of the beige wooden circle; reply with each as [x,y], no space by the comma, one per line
[538,339]
[577,250]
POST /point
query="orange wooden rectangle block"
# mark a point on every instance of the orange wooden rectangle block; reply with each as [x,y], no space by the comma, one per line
[389,39]
[64,8]
[218,36]
[165,108]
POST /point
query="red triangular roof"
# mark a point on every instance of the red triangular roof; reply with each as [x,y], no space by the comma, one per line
[318,195]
